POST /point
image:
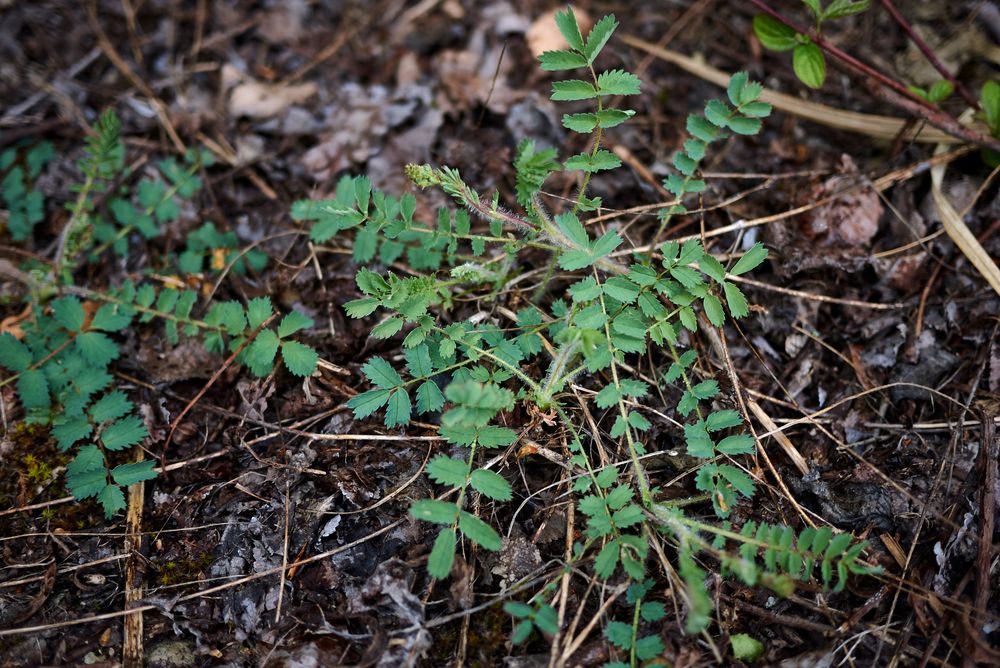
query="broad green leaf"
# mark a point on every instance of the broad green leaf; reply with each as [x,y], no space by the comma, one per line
[398,412]
[491,484]
[619,634]
[258,311]
[442,555]
[111,499]
[478,531]
[431,510]
[299,358]
[111,406]
[585,290]
[609,118]
[293,322]
[71,430]
[738,479]
[571,226]
[96,348]
[448,471]
[622,289]
[607,560]
[618,82]
[609,241]
[700,128]
[366,403]
[381,374]
[69,313]
[841,8]
[583,123]
[85,484]
[123,433]
[990,100]
[552,61]
[607,397]
[33,388]
[743,125]
[774,34]
[602,160]
[738,306]
[570,30]
[739,444]
[259,355]
[723,419]
[599,36]
[387,328]
[14,355]
[429,397]
[495,437]
[572,89]
[809,65]
[129,474]
[360,308]
[713,309]
[110,318]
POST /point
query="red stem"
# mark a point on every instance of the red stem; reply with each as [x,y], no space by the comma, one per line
[892,90]
[929,54]
[843,56]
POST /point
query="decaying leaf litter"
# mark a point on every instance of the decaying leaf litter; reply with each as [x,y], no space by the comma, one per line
[280,534]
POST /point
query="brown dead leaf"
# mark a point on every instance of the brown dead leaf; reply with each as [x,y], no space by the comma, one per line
[255,99]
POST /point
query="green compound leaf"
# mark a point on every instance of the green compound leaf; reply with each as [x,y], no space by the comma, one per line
[442,556]
[774,34]
[299,358]
[123,433]
[478,531]
[809,64]
[571,90]
[293,322]
[491,484]
[448,471]
[110,318]
[552,61]
[33,388]
[111,406]
[367,403]
[381,374]
[130,474]
[14,355]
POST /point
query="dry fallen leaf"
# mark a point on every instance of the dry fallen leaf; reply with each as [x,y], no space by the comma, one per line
[260,100]
[544,35]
